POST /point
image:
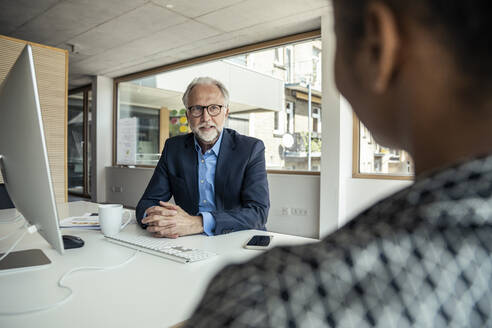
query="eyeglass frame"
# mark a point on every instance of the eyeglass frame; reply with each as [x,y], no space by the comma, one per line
[202,109]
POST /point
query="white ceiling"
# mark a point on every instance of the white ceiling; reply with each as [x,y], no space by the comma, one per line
[118,37]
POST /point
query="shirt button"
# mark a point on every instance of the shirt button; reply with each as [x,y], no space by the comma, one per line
[203,161]
[201,181]
[204,200]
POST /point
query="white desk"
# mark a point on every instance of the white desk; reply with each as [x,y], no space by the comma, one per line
[148,292]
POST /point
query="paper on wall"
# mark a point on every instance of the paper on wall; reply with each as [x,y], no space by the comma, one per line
[127,141]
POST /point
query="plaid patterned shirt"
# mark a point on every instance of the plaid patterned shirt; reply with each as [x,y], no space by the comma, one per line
[418,258]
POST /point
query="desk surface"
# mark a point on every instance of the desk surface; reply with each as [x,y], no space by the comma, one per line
[148,292]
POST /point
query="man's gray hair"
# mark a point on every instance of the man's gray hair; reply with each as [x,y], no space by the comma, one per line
[208,81]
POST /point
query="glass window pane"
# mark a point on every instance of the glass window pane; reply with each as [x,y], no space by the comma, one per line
[76,143]
[89,145]
[376,159]
[268,100]
[146,132]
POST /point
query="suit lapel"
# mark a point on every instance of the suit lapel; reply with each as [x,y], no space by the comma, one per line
[190,169]
[221,170]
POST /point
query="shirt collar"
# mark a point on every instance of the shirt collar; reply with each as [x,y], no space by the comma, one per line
[216,147]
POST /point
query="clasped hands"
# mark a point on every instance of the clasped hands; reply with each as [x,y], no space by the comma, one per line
[171,221]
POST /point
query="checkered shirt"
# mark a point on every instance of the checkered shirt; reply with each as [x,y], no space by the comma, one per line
[419,258]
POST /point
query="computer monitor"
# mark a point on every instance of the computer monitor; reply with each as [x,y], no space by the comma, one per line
[23,154]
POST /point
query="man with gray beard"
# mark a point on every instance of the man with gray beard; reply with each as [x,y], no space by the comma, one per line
[216,176]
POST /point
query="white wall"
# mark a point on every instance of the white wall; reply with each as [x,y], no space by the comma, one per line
[362,193]
[294,204]
[330,184]
[126,185]
[102,135]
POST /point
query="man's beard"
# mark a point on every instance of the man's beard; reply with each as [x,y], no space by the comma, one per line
[207,137]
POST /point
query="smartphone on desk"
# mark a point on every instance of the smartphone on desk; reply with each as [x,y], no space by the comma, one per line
[258,242]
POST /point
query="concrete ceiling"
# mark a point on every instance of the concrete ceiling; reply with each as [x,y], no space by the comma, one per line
[118,37]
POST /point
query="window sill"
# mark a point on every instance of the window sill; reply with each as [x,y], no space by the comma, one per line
[292,172]
[383,176]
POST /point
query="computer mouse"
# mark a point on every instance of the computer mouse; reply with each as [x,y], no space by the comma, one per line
[72,241]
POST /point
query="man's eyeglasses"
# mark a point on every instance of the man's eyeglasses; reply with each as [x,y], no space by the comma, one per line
[197,110]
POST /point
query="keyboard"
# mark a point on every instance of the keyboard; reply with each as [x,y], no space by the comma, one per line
[160,247]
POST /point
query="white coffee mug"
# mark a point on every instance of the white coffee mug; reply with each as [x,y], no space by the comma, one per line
[111,217]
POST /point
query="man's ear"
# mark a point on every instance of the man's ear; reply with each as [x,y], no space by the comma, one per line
[227,112]
[383,41]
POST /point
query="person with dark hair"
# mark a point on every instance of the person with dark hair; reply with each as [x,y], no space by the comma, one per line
[418,75]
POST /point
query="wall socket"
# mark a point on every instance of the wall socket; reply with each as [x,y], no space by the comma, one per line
[292,211]
[117,188]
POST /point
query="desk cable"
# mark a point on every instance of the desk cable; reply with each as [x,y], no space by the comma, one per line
[15,219]
[29,228]
[12,232]
[70,290]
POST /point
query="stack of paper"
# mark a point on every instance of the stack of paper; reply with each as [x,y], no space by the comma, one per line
[86,221]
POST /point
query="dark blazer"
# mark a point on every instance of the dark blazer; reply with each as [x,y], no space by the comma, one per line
[241,186]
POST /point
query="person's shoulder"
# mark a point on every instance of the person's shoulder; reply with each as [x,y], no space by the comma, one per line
[179,140]
[304,275]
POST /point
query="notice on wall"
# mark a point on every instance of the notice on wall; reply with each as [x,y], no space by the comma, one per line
[127,141]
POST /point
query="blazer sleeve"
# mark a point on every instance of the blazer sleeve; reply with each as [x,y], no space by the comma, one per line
[255,201]
[158,189]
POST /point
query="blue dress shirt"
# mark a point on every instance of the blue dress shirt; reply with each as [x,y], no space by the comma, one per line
[206,184]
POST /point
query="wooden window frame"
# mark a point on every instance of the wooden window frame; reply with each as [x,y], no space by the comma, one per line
[356,159]
[299,37]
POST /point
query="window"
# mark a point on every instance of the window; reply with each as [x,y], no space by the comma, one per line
[316,63]
[375,161]
[239,122]
[279,56]
[79,145]
[240,60]
[276,122]
[317,120]
[289,111]
[288,64]
[269,100]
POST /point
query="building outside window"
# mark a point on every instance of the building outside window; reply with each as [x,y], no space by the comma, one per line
[277,123]
[289,113]
[378,160]
[268,99]
[316,120]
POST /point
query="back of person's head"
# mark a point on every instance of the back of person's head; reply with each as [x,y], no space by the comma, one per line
[462,26]
[415,71]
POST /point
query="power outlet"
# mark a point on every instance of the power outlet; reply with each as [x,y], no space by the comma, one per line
[117,189]
[299,211]
[291,211]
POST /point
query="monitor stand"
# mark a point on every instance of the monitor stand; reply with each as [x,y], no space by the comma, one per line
[30,259]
